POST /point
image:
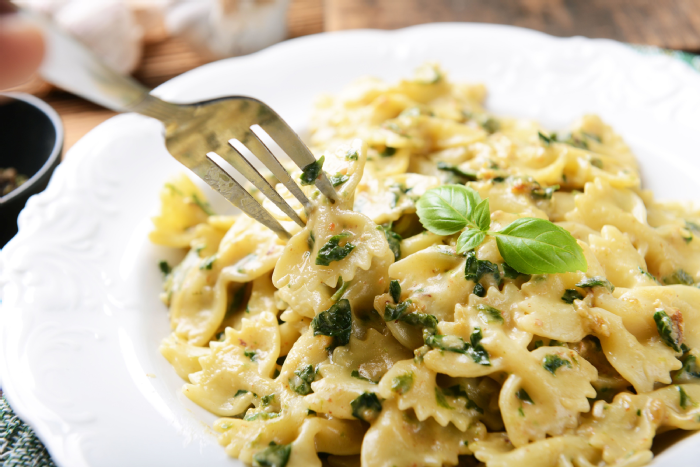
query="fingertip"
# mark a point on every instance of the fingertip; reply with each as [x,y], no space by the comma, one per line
[21,50]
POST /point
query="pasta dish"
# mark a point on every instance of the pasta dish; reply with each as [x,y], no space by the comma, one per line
[484,292]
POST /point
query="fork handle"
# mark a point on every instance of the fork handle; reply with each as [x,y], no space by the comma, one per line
[71,66]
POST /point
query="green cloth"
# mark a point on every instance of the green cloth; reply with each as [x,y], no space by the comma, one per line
[19,446]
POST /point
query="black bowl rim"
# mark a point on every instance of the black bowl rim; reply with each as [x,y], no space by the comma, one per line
[55,152]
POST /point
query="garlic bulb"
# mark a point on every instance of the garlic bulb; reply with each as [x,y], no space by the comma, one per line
[224,28]
[107,28]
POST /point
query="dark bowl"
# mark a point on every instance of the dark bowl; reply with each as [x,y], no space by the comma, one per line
[31,141]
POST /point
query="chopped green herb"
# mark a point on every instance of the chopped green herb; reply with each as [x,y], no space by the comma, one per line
[685,399]
[388,151]
[490,124]
[351,155]
[552,362]
[311,240]
[547,140]
[428,322]
[311,413]
[394,312]
[544,193]
[165,268]
[475,268]
[335,322]
[468,176]
[366,407]
[668,330]
[457,391]
[395,290]
[597,281]
[689,368]
[477,351]
[261,416]
[208,262]
[267,400]
[276,455]
[203,205]
[311,172]
[403,383]
[489,313]
[393,239]
[479,290]
[251,354]
[645,273]
[240,392]
[521,412]
[455,344]
[332,251]
[570,295]
[356,374]
[302,379]
[538,344]
[679,277]
[276,373]
[524,396]
[595,162]
[556,343]
[342,287]
[338,179]
[639,412]
[440,399]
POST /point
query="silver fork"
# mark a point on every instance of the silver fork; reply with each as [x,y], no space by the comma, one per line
[193,132]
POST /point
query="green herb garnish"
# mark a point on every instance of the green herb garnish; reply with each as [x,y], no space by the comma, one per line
[203,205]
[596,281]
[685,399]
[261,416]
[208,262]
[690,368]
[338,179]
[311,240]
[240,392]
[468,176]
[388,151]
[679,277]
[251,354]
[489,313]
[547,140]
[332,251]
[302,379]
[668,331]
[544,193]
[440,399]
[570,295]
[648,274]
[335,322]
[366,407]
[393,239]
[552,362]
[428,322]
[529,245]
[403,383]
[351,155]
[475,269]
[342,287]
[479,290]
[395,290]
[276,455]
[165,268]
[524,396]
[311,172]
[455,344]
[394,312]
[356,374]
[267,400]
[457,391]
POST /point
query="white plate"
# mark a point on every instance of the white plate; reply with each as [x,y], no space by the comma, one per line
[81,321]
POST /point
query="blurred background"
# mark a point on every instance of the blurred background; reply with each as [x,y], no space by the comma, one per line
[155,40]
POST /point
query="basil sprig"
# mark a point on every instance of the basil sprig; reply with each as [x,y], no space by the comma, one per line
[529,245]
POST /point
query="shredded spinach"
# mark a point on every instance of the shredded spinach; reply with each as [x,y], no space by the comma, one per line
[338,179]
[468,176]
[335,322]
[597,281]
[479,290]
[685,399]
[311,172]
[302,379]
[475,268]
[165,268]
[455,344]
[276,455]
[394,312]
[251,354]
[311,240]
[457,391]
[428,322]
[544,193]
[440,399]
[553,362]
[393,239]
[668,331]
[240,392]
[356,374]
[351,155]
[690,368]
[524,396]
[489,313]
[267,400]
[208,262]
[395,290]
[342,287]
[332,251]
[570,295]
[366,407]
[679,277]
[261,416]
[388,151]
[403,383]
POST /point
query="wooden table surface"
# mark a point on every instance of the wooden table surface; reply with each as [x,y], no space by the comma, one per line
[673,24]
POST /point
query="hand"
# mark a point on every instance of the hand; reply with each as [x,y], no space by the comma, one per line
[21,47]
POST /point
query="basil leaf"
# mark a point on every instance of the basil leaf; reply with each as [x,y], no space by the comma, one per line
[511,273]
[445,210]
[277,455]
[395,290]
[470,239]
[335,322]
[366,407]
[482,215]
[332,251]
[310,173]
[536,246]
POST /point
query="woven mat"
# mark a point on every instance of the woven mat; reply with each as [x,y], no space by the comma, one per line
[19,446]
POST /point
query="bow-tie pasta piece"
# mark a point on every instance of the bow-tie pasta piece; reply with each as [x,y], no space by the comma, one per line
[239,370]
[182,356]
[623,264]
[574,450]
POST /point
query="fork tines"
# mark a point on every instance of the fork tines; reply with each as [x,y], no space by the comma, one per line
[234,192]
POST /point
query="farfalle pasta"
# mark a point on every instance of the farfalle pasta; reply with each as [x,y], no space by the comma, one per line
[369,339]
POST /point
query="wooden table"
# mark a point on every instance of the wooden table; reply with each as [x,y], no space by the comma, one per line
[673,24]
